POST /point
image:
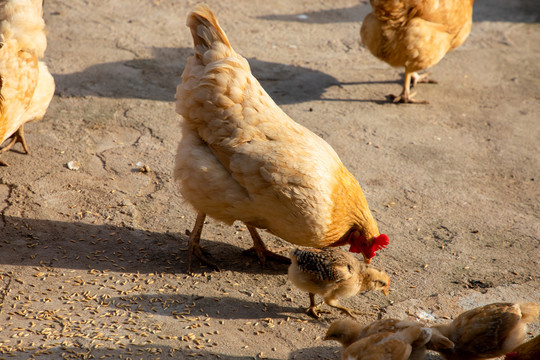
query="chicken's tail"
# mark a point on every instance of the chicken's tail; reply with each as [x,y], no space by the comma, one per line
[529,311]
[206,32]
[22,21]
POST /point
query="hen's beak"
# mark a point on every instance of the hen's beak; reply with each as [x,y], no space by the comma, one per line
[386,291]
[366,260]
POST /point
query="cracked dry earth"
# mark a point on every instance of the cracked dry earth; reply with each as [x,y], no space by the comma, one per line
[92,255]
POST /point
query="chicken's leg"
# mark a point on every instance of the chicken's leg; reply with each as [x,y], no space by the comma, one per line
[406,96]
[313,309]
[18,136]
[260,249]
[417,78]
[335,304]
[193,245]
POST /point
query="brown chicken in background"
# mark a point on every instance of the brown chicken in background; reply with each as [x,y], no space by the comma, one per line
[26,86]
[347,331]
[415,34]
[486,332]
[529,350]
[242,158]
[394,345]
[333,274]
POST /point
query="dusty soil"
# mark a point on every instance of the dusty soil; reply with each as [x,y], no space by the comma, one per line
[92,260]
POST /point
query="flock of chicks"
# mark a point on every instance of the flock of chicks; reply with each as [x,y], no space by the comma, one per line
[242,158]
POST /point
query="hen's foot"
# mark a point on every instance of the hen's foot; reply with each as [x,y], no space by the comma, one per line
[18,136]
[417,78]
[263,254]
[406,99]
[203,258]
[260,249]
[193,244]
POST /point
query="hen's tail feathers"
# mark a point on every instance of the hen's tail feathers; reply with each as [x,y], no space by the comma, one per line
[205,30]
[529,311]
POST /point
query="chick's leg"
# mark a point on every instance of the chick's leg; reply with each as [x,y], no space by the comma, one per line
[406,97]
[193,245]
[335,304]
[260,249]
[313,309]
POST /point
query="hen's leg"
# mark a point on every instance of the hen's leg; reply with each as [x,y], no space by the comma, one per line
[18,136]
[335,304]
[406,96]
[260,249]
[417,78]
[193,245]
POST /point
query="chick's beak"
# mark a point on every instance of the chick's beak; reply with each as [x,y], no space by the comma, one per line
[386,291]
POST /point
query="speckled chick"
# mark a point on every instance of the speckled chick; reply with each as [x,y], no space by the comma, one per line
[333,274]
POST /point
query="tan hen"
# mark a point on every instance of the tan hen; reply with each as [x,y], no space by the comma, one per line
[415,34]
[26,86]
[242,158]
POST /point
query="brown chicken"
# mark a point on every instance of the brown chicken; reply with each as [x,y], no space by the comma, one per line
[415,34]
[394,345]
[26,86]
[333,274]
[529,350]
[347,331]
[486,332]
[242,158]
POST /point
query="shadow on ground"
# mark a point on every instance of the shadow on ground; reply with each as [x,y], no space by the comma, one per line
[76,245]
[156,78]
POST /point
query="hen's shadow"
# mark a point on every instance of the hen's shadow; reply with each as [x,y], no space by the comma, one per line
[156,78]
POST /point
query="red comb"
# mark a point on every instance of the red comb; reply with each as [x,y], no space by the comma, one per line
[380,242]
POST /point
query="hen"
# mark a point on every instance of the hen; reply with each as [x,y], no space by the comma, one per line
[26,86]
[526,351]
[395,345]
[242,158]
[333,274]
[486,332]
[415,34]
[347,331]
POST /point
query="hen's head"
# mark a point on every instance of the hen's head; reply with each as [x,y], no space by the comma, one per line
[367,247]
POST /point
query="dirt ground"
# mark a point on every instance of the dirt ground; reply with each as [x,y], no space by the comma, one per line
[92,258]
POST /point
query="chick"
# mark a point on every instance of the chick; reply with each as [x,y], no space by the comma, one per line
[526,351]
[386,345]
[333,274]
[486,332]
[347,332]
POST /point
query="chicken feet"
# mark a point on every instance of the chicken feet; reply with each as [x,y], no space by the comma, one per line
[314,311]
[18,136]
[417,79]
[260,249]
[406,97]
[194,248]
